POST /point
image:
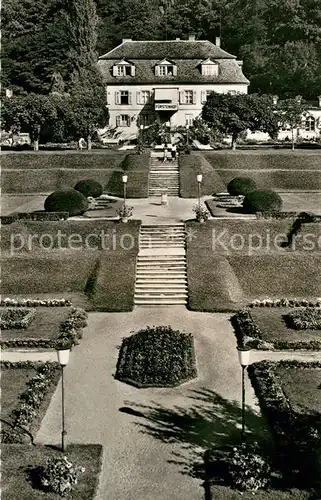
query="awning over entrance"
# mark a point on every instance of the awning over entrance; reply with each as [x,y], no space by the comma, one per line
[166,99]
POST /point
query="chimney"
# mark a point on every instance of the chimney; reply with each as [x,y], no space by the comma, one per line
[319,97]
[218,41]
[191,38]
[126,40]
[275,99]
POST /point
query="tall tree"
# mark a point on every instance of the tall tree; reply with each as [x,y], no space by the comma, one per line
[290,113]
[233,114]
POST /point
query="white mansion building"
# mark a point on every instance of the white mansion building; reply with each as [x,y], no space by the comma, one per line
[169,79]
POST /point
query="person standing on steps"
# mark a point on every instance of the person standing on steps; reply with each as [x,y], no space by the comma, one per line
[174,152]
[165,153]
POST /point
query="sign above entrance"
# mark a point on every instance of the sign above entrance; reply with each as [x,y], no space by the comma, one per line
[165,107]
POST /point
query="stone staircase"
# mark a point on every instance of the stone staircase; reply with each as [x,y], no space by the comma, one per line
[163,177]
[161,278]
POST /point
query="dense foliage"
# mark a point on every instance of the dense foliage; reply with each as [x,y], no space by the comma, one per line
[66,200]
[157,357]
[305,318]
[234,114]
[15,318]
[241,186]
[248,469]
[89,187]
[58,475]
[280,41]
[262,200]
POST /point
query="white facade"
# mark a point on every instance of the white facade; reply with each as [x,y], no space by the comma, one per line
[165,80]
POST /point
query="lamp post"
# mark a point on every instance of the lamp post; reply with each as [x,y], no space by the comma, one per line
[244,360]
[63,358]
[125,178]
[187,137]
[199,178]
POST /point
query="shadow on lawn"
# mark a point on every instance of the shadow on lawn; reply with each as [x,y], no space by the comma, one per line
[209,423]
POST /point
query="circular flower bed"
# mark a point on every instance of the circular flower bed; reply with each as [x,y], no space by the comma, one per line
[157,357]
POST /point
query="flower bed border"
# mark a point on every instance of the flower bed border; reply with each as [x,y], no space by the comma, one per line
[285,302]
[26,412]
[70,332]
[294,433]
[249,334]
[7,302]
[24,322]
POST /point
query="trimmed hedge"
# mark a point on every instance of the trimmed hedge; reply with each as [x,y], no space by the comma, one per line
[306,318]
[157,357]
[264,160]
[136,162]
[263,200]
[15,318]
[89,187]
[66,200]
[66,160]
[241,186]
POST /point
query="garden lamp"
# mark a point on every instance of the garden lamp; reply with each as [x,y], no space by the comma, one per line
[199,178]
[125,178]
[63,358]
[244,354]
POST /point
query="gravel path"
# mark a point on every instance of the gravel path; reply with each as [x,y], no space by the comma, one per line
[151,445]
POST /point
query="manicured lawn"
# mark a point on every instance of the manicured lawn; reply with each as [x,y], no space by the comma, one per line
[17,460]
[14,382]
[101,263]
[272,159]
[44,325]
[224,270]
[293,275]
[190,166]
[301,388]
[273,327]
[225,493]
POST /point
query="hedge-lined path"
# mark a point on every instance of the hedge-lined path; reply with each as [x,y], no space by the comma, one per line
[149,462]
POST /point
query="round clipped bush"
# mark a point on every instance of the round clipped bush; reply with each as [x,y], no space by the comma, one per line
[241,186]
[66,200]
[157,357]
[89,187]
[262,200]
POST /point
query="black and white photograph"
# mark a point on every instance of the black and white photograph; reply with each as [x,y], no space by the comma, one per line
[160,305]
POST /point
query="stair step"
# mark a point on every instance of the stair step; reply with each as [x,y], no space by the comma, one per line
[164,275]
[160,288]
[159,281]
[158,303]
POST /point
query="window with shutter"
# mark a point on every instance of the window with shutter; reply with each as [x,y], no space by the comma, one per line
[174,70]
[115,71]
[138,98]
[118,121]
[194,97]
[117,97]
[133,70]
[203,96]
[129,97]
[181,97]
[156,70]
[108,96]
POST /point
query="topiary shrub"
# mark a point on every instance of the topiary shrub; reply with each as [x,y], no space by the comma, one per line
[262,200]
[157,357]
[58,475]
[66,200]
[89,187]
[241,185]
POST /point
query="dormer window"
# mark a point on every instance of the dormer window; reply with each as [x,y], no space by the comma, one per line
[123,68]
[209,68]
[165,68]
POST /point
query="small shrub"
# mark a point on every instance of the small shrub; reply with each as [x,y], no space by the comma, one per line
[66,200]
[241,185]
[201,213]
[263,200]
[58,475]
[248,469]
[306,318]
[89,187]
